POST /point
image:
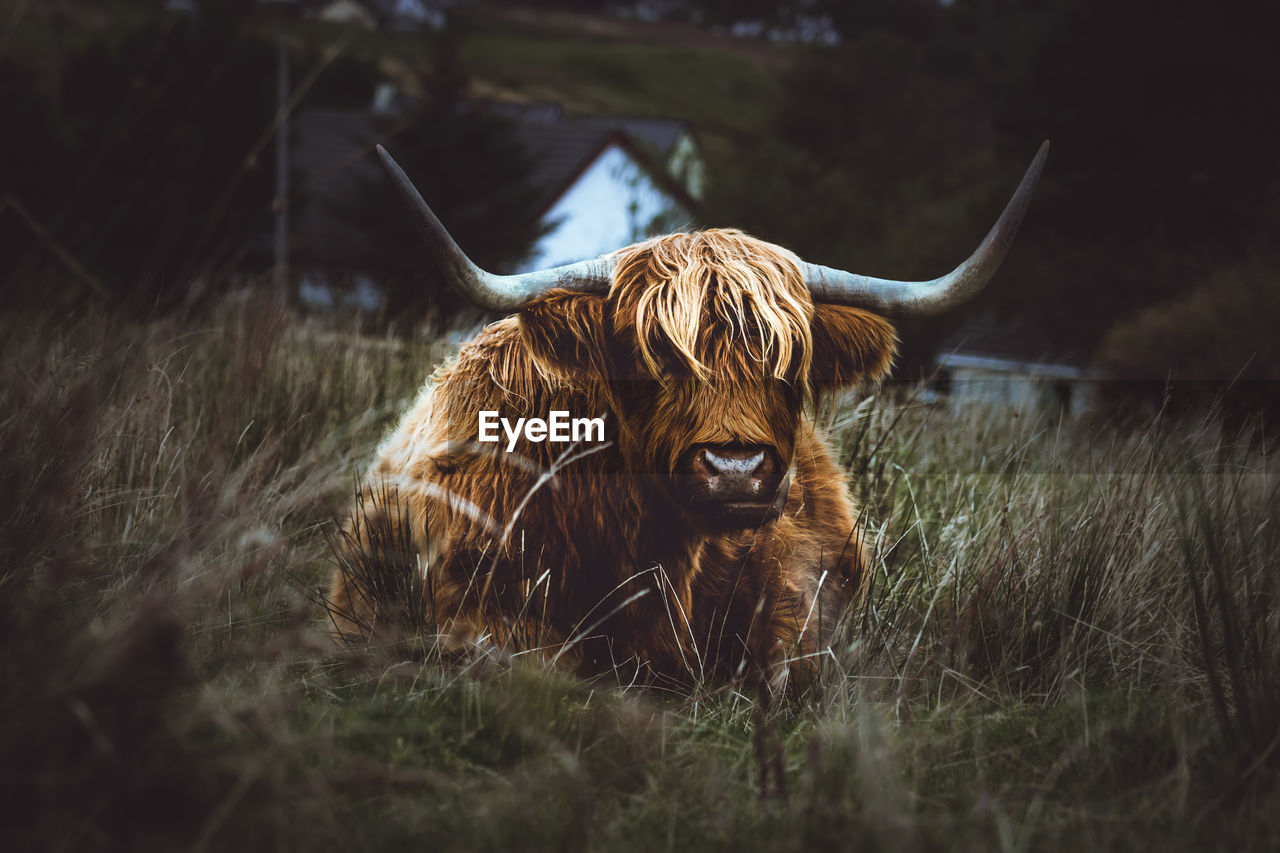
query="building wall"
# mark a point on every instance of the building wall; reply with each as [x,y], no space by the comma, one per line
[1026,393]
[978,380]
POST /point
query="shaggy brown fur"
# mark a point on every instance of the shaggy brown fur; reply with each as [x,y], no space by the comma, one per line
[708,337]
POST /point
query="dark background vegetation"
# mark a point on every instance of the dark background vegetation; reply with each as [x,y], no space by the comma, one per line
[1071,636]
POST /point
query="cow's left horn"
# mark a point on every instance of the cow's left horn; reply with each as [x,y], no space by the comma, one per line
[504,293]
[920,298]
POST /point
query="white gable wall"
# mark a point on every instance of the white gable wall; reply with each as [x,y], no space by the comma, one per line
[613,203]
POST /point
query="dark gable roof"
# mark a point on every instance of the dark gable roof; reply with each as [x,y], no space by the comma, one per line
[659,135]
[656,171]
[383,8]
[563,147]
[332,143]
[387,12]
[333,159]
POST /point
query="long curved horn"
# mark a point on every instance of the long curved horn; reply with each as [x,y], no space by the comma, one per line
[920,298]
[504,293]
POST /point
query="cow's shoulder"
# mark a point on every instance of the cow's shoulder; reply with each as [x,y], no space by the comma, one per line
[819,500]
[496,370]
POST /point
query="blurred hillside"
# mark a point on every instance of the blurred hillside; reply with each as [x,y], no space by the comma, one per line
[145,161]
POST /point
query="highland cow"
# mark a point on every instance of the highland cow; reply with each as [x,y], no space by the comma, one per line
[712,534]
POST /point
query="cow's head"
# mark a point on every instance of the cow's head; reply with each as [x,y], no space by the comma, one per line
[707,346]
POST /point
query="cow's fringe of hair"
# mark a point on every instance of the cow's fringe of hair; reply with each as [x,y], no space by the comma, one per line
[677,286]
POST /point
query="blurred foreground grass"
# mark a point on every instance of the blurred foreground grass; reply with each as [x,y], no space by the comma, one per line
[1071,640]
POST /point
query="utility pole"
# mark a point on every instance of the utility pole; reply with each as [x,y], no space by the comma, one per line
[281,277]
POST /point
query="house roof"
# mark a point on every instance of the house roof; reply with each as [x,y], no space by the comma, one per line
[997,364]
[332,142]
[661,178]
[563,146]
[414,9]
[331,156]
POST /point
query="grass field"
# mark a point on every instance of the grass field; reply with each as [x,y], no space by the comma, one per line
[1071,640]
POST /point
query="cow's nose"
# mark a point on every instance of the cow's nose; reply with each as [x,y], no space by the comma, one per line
[734,486]
[735,472]
[729,461]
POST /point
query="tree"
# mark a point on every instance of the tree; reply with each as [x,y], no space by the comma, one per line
[1215,343]
[153,174]
[880,160]
[32,177]
[471,168]
[1164,149]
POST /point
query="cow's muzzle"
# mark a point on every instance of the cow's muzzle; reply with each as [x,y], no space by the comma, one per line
[734,486]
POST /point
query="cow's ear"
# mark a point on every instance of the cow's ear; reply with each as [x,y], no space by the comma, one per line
[564,332]
[850,345]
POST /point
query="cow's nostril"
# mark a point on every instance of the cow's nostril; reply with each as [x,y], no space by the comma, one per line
[733,463]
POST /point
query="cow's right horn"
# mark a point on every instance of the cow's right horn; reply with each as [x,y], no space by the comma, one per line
[919,298]
[505,293]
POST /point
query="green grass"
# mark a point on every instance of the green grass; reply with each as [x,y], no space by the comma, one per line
[718,90]
[714,86]
[1071,642]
